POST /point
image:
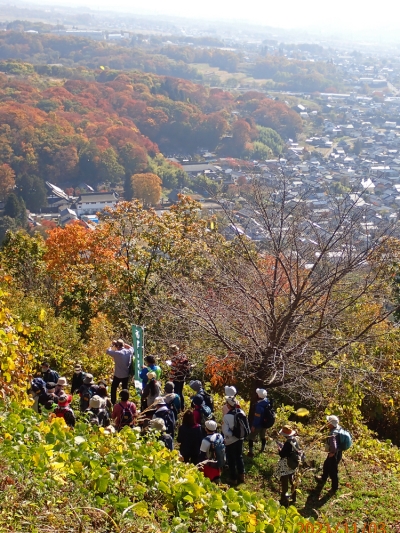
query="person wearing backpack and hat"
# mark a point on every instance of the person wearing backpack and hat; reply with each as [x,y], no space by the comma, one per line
[124,413]
[158,424]
[50,389]
[96,413]
[260,423]
[212,452]
[77,378]
[331,463]
[63,410]
[197,386]
[122,354]
[86,391]
[172,399]
[164,412]
[41,397]
[234,444]
[289,454]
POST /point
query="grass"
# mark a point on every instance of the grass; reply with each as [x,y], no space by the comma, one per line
[367,493]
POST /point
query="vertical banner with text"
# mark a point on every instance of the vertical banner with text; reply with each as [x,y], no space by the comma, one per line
[138,348]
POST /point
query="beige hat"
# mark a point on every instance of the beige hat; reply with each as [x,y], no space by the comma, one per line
[158,424]
[151,375]
[287,431]
[211,425]
[95,402]
[62,382]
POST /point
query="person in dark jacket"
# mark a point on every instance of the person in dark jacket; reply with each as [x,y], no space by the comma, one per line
[257,423]
[49,375]
[40,395]
[157,424]
[190,436]
[284,471]
[96,413]
[77,379]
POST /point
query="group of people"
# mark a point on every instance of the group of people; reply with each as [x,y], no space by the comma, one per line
[200,442]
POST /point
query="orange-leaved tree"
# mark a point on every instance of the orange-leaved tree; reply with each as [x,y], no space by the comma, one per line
[79,261]
[147,188]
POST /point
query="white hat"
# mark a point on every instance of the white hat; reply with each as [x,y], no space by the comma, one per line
[159,401]
[95,402]
[158,424]
[211,425]
[230,391]
[261,393]
[332,420]
[230,401]
[62,382]
[287,431]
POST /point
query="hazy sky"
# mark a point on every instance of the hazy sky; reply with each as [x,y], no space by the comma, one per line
[348,14]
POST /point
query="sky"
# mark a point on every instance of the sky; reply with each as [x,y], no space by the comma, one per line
[341,14]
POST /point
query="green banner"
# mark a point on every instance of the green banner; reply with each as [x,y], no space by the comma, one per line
[138,348]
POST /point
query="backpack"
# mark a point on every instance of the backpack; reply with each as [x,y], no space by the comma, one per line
[241,428]
[126,418]
[268,417]
[208,400]
[169,419]
[344,439]
[206,414]
[217,449]
[67,414]
[295,457]
[86,394]
[172,408]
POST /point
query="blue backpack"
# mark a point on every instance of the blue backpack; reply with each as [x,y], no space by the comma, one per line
[206,414]
[343,439]
[217,449]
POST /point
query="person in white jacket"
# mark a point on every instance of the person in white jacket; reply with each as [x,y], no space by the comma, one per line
[233,445]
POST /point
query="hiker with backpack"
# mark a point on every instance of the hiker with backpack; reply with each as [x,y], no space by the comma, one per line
[96,414]
[122,354]
[86,391]
[102,392]
[50,389]
[190,436]
[338,441]
[41,397]
[152,390]
[171,399]
[264,418]
[164,412]
[212,452]
[201,411]
[49,375]
[124,412]
[197,386]
[158,424]
[63,410]
[231,391]
[235,429]
[77,378]
[150,366]
[290,456]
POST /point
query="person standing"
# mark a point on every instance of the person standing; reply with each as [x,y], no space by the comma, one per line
[151,366]
[180,371]
[49,375]
[122,354]
[152,390]
[331,465]
[190,436]
[258,426]
[233,445]
[212,452]
[124,412]
[286,468]
[77,379]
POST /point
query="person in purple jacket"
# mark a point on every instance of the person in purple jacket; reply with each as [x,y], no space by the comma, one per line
[122,354]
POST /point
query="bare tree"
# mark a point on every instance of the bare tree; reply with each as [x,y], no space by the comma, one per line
[282,301]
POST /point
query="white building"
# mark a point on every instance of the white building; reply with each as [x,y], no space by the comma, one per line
[92,203]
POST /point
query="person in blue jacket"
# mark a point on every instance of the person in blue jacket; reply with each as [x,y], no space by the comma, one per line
[151,366]
[257,426]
